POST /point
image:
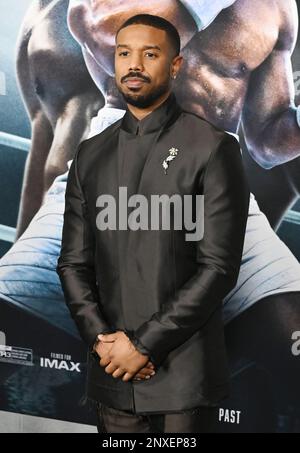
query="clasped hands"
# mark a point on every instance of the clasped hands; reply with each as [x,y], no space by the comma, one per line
[121,359]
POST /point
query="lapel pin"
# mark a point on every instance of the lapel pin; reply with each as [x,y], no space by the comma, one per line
[172,154]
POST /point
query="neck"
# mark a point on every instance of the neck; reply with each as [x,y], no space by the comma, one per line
[141,113]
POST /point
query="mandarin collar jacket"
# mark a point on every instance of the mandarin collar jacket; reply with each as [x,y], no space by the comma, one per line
[152,122]
[165,292]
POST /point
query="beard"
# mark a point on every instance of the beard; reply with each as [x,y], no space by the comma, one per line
[144,100]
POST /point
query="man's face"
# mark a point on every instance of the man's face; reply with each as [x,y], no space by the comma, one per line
[143,64]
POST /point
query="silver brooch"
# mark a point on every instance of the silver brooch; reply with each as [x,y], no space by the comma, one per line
[172,154]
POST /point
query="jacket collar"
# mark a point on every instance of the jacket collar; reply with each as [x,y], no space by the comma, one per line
[153,121]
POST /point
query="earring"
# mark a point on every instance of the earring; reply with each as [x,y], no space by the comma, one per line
[174,76]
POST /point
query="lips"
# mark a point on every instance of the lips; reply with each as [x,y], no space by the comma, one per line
[134,81]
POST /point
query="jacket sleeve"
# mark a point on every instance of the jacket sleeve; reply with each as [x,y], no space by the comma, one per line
[219,254]
[75,265]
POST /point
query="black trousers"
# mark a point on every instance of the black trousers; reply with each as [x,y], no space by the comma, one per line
[110,420]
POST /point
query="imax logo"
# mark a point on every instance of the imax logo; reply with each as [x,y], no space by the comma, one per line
[59,364]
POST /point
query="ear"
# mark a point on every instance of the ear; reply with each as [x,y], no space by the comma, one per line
[177,63]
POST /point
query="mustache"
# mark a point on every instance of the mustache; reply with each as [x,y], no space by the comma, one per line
[136,75]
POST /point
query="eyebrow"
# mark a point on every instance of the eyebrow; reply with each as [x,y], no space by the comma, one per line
[143,48]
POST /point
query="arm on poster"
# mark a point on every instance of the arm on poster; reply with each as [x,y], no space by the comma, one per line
[269,119]
[219,254]
[75,265]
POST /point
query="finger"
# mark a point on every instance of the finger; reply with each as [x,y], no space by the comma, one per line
[110,368]
[127,376]
[146,372]
[150,365]
[108,337]
[118,373]
[141,377]
[105,360]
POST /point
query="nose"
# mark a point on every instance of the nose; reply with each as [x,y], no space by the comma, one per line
[136,62]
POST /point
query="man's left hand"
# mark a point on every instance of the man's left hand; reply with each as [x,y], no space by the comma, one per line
[123,358]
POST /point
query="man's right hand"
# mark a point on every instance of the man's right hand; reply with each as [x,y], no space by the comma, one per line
[103,348]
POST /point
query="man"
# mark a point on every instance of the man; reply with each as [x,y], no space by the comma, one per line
[269,270]
[237,72]
[158,292]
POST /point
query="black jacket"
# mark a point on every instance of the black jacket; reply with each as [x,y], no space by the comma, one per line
[164,291]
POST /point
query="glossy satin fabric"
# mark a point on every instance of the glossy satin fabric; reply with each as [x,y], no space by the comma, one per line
[166,292]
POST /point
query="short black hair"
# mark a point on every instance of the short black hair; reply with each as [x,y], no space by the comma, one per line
[157,22]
